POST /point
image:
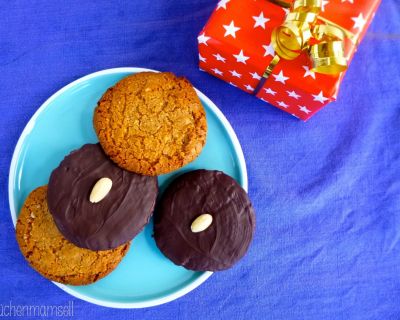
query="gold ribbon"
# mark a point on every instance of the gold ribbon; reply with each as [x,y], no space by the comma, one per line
[305,30]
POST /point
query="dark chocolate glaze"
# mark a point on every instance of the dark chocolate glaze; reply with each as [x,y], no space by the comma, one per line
[220,245]
[116,219]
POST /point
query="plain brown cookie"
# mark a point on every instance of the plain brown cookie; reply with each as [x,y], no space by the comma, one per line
[151,123]
[54,257]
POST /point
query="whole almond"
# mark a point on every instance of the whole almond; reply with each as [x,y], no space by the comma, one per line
[100,190]
[201,223]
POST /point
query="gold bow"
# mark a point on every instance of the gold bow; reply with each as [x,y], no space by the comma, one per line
[305,30]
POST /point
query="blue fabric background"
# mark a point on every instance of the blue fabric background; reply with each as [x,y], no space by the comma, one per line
[326,192]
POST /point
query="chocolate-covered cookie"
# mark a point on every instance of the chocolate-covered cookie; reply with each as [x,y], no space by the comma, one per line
[205,221]
[90,214]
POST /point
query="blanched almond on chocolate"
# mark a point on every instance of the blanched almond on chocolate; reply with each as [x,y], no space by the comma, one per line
[201,223]
[100,190]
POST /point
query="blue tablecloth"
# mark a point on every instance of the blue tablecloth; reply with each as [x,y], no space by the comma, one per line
[326,192]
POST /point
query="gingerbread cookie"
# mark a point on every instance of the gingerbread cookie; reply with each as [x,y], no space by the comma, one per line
[102,219]
[151,123]
[205,221]
[54,257]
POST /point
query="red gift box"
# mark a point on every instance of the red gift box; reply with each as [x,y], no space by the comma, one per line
[235,45]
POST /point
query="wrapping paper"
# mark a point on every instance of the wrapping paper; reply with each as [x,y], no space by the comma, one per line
[235,45]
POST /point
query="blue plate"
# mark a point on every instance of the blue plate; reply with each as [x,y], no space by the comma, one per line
[145,277]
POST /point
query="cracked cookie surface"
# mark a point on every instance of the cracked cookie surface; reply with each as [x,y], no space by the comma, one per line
[151,123]
[54,257]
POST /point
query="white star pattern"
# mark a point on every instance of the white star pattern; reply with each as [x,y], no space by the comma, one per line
[286,10]
[320,97]
[219,57]
[270,91]
[282,104]
[280,77]
[359,22]
[260,20]
[240,57]
[230,30]
[308,73]
[304,109]
[255,75]
[293,94]
[351,1]
[235,74]
[203,39]
[236,65]
[269,50]
[216,71]
[222,4]
[323,4]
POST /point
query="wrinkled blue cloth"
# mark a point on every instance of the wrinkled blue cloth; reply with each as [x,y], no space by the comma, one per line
[326,192]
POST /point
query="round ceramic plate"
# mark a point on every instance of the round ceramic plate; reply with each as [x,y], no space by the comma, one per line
[145,277]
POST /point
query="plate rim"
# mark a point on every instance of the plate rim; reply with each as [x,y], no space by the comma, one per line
[12,177]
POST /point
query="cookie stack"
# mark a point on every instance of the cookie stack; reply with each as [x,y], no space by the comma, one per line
[77,229]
